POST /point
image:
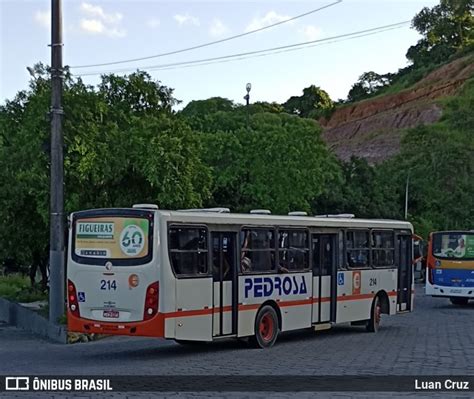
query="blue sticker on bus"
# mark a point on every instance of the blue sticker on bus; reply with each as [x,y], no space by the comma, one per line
[340,278]
[265,286]
[81,296]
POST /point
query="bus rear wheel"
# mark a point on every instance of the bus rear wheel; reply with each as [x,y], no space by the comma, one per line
[373,324]
[266,328]
[459,300]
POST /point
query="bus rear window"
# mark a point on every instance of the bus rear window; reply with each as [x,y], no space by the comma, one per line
[453,245]
[121,239]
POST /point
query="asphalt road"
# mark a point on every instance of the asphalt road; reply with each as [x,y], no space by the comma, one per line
[436,339]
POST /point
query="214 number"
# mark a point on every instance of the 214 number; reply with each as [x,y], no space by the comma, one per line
[108,285]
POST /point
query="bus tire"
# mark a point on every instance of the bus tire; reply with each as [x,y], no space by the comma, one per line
[373,324]
[459,300]
[266,328]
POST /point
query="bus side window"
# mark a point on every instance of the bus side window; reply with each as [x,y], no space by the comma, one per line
[383,248]
[293,249]
[357,248]
[258,250]
[188,250]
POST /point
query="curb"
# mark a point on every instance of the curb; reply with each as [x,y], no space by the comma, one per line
[28,320]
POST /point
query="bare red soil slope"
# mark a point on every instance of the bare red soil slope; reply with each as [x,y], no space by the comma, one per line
[372,128]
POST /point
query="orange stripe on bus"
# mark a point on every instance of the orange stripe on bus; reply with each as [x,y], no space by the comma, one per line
[224,309]
[255,306]
[325,299]
[355,297]
[296,303]
[187,313]
[251,306]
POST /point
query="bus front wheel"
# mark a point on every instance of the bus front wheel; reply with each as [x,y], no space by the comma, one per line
[373,324]
[266,328]
[459,301]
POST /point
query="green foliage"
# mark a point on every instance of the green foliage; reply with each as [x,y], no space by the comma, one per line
[123,145]
[17,288]
[439,159]
[362,190]
[446,28]
[279,163]
[314,103]
[263,106]
[438,162]
[369,83]
[447,32]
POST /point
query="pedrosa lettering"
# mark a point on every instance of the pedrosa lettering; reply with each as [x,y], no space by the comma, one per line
[267,286]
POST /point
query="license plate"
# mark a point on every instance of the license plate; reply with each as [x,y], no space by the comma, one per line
[455,291]
[111,314]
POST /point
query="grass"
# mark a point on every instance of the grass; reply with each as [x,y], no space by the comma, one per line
[17,288]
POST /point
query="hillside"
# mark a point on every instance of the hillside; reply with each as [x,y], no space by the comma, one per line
[372,128]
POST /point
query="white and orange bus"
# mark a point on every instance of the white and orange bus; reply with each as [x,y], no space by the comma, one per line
[203,275]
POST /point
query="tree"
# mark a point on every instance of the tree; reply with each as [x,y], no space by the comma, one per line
[314,103]
[446,28]
[280,163]
[123,145]
[263,106]
[369,83]
[362,190]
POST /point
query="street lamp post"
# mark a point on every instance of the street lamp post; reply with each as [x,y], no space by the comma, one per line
[56,242]
[248,87]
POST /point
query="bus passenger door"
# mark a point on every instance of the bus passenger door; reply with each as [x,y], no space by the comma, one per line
[224,283]
[324,277]
[404,273]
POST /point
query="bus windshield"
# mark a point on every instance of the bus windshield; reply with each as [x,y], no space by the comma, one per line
[122,239]
[453,246]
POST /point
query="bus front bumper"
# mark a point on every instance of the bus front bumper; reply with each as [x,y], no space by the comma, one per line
[439,290]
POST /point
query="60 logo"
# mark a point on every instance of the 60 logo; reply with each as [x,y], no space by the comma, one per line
[132,240]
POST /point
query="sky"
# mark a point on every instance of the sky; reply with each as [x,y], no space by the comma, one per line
[101,31]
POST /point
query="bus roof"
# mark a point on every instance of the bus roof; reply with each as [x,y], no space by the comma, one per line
[196,216]
[255,219]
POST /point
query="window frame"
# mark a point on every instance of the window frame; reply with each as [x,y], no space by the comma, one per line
[208,273]
[368,249]
[394,264]
[309,248]
[274,249]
